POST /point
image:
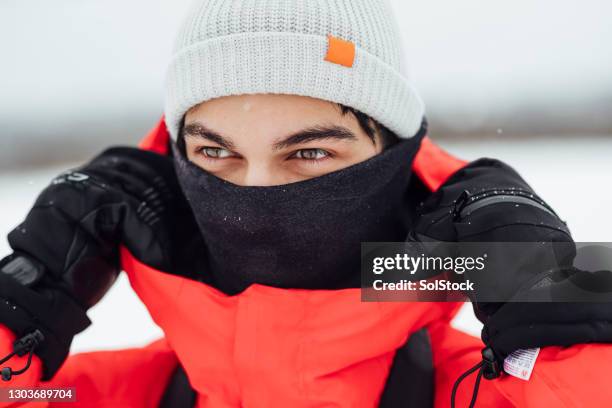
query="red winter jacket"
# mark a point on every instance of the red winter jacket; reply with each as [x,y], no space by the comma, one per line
[269,347]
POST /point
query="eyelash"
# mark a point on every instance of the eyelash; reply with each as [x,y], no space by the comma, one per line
[294,156]
[202,151]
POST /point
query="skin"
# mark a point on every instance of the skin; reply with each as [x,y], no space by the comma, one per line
[266,140]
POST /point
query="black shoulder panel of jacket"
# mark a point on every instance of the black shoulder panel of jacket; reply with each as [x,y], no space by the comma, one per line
[410,382]
[411,379]
[178,393]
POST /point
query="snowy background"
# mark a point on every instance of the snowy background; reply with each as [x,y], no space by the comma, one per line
[525,81]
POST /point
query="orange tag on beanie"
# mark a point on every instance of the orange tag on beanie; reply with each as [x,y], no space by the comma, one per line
[340,52]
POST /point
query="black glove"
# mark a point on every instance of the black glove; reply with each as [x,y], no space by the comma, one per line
[66,251]
[488,203]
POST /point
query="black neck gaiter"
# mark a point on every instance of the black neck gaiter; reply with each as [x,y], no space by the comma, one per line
[301,235]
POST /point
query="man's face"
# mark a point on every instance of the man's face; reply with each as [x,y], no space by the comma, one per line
[266,140]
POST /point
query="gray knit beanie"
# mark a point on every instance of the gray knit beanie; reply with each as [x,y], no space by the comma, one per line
[343,51]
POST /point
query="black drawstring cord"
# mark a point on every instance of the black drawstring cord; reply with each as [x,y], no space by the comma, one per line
[476,385]
[26,344]
[8,373]
[7,358]
[488,367]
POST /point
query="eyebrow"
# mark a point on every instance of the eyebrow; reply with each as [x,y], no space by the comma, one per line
[201,131]
[315,133]
[304,136]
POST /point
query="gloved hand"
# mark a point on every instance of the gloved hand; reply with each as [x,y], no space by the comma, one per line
[66,251]
[488,203]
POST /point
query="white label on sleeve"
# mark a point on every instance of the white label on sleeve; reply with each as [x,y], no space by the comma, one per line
[520,363]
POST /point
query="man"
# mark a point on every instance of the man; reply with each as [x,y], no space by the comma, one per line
[290,136]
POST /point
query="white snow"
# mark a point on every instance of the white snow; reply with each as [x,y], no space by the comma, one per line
[71,70]
[573,175]
[474,61]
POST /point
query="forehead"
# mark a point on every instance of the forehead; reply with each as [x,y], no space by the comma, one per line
[266,118]
[263,104]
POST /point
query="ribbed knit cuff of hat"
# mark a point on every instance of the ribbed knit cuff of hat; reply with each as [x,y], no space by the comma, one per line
[283,48]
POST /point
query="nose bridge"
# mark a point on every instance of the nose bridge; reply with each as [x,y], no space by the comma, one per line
[260,173]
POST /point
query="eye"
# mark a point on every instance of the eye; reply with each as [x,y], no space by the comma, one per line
[311,154]
[215,152]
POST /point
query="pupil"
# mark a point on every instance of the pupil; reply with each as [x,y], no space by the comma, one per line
[311,154]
